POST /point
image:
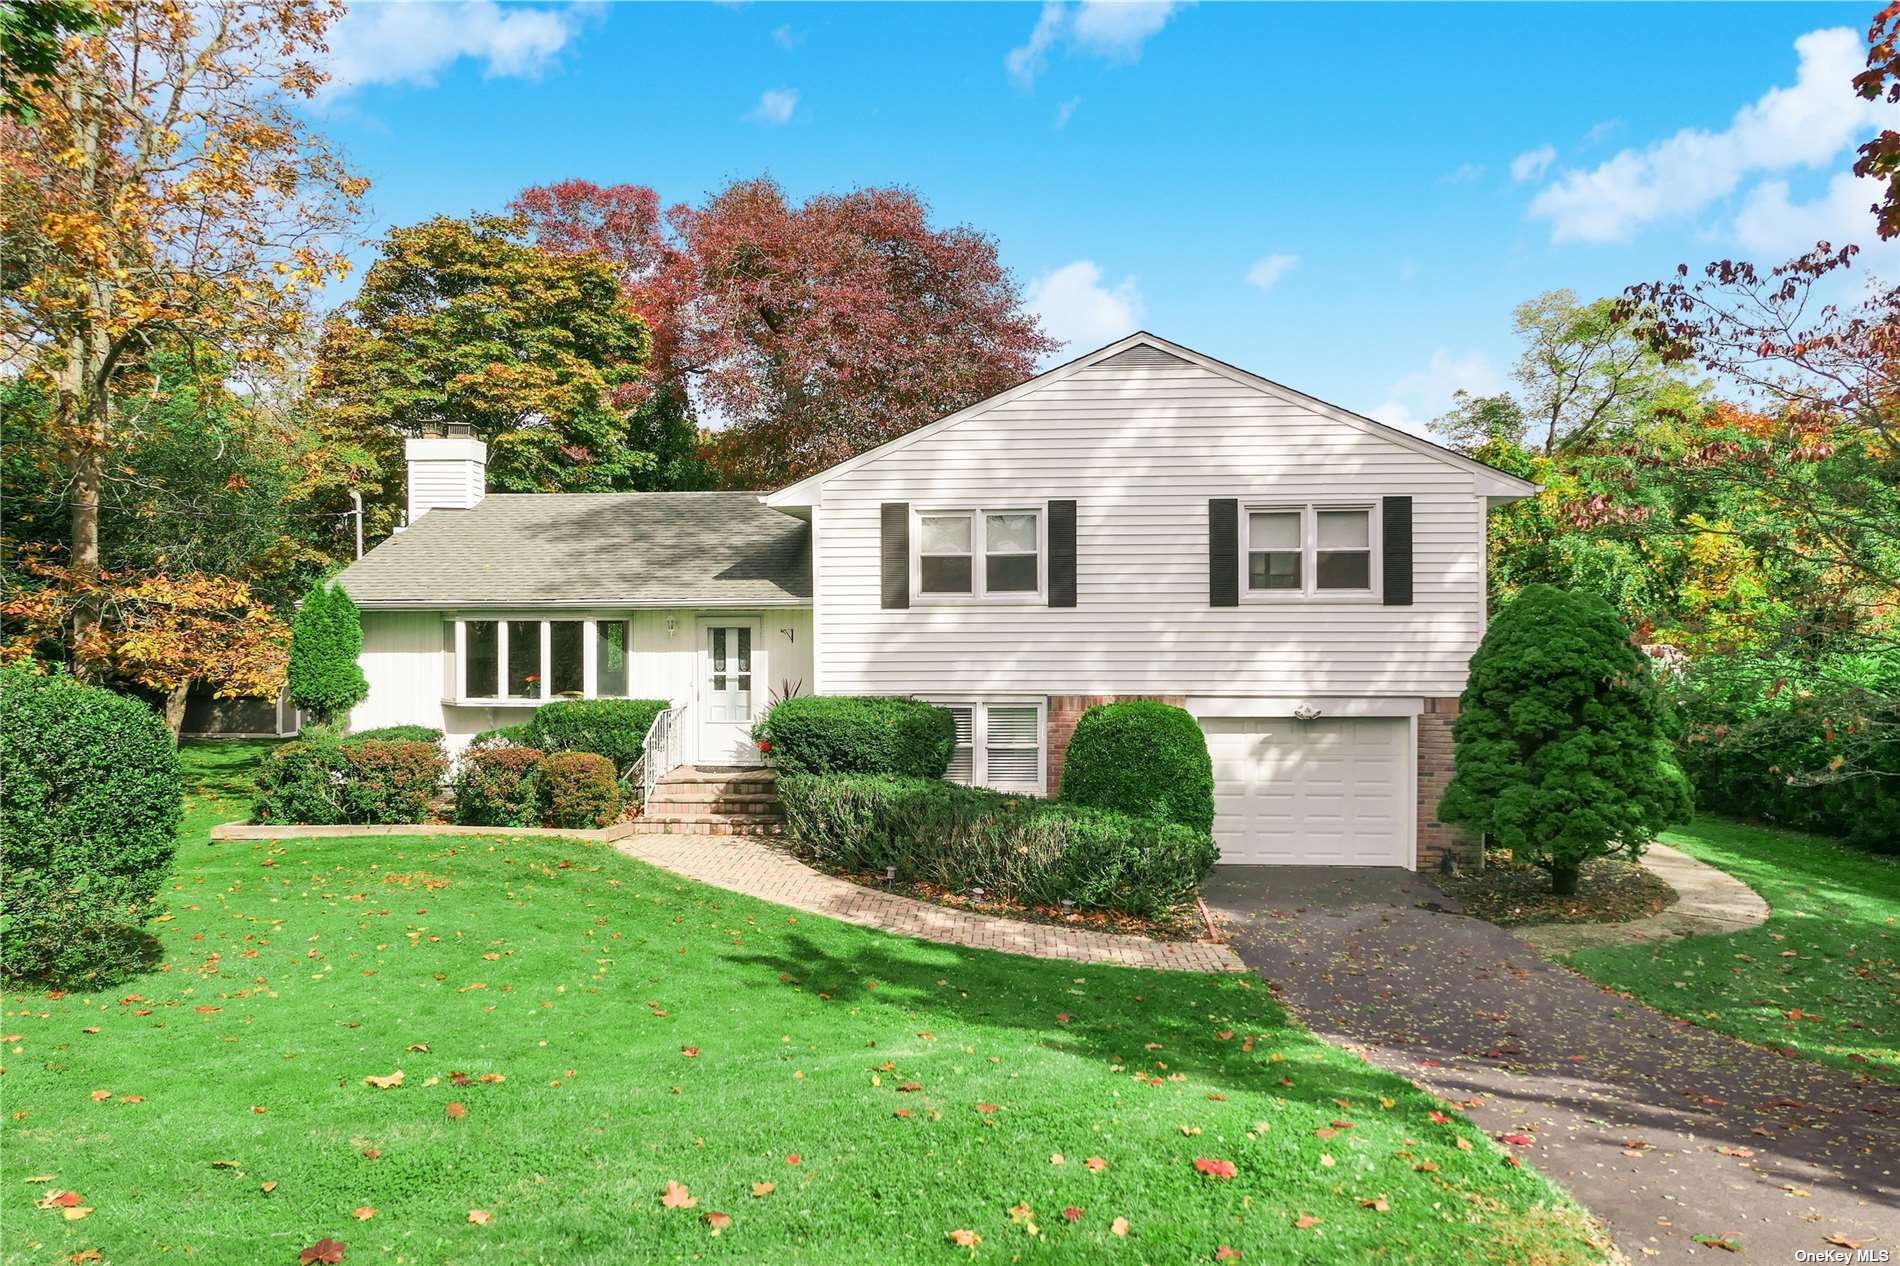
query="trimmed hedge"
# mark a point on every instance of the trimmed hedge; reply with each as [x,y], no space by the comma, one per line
[400,734]
[323,779]
[502,735]
[498,786]
[1016,847]
[578,789]
[1141,757]
[858,734]
[89,810]
[614,728]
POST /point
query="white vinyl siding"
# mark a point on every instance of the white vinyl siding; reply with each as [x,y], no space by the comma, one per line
[999,745]
[1142,448]
[411,663]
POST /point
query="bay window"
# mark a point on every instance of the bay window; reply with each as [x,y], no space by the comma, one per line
[1311,551]
[530,661]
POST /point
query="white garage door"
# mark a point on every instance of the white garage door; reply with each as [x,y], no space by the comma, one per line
[1315,793]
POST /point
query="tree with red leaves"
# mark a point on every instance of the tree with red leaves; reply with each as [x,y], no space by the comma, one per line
[811,331]
[1880,157]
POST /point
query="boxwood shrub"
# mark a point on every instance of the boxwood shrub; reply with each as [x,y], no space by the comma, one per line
[89,810]
[614,728]
[498,786]
[858,734]
[1141,757]
[302,782]
[324,779]
[1017,847]
[578,790]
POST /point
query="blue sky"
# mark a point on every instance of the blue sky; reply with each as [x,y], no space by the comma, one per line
[1349,199]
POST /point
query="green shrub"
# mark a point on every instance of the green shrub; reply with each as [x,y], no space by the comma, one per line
[614,728]
[578,790]
[302,783]
[1015,847]
[858,734]
[399,734]
[518,735]
[1141,757]
[326,636]
[89,809]
[1560,748]
[391,783]
[498,786]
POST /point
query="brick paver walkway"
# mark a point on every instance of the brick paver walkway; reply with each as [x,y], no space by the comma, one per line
[759,870]
[755,868]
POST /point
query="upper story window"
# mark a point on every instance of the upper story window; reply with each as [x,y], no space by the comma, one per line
[1309,550]
[978,553]
[532,661]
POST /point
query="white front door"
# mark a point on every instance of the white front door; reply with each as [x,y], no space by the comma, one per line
[1331,792]
[727,696]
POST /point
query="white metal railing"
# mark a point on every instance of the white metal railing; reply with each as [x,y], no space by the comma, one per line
[664,750]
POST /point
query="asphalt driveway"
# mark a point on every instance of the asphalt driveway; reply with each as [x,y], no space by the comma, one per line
[1665,1131]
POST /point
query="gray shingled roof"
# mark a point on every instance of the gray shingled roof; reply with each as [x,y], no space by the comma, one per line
[638,548]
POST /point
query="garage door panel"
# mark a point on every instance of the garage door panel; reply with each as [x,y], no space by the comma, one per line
[1324,792]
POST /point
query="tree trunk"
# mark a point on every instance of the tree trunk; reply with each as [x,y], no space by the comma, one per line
[175,709]
[1563,878]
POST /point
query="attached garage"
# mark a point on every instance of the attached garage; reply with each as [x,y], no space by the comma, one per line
[1326,792]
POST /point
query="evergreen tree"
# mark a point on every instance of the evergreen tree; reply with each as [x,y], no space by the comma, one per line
[1560,744]
[325,638]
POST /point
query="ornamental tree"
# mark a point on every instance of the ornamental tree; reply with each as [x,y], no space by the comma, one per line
[325,638]
[1560,746]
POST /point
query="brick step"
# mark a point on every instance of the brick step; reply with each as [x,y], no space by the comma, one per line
[715,774]
[711,809]
[708,824]
[698,813]
[702,793]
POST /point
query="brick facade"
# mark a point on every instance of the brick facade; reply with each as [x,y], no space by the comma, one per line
[1435,838]
[1066,710]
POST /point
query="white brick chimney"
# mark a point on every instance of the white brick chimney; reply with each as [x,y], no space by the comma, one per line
[446,472]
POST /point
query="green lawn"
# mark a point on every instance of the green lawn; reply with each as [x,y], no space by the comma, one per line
[607,1029]
[1820,977]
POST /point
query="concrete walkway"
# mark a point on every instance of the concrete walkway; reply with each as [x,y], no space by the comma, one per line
[755,868]
[1666,1132]
[1708,901]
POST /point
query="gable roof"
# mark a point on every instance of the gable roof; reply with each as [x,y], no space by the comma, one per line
[1142,348]
[634,549]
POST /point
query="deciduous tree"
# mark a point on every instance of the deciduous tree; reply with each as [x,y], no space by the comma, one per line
[1879,157]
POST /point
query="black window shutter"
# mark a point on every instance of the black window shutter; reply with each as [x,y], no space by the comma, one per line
[1398,551]
[1223,552]
[895,549]
[1062,553]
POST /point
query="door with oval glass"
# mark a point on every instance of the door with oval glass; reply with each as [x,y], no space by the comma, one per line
[731,668]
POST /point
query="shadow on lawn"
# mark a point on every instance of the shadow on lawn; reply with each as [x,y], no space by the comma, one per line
[1113,1016]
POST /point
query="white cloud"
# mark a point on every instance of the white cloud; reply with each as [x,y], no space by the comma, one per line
[1466,173]
[1270,268]
[1601,132]
[410,42]
[1418,397]
[1078,309]
[1112,29]
[1532,163]
[1770,223]
[775,107]
[1805,124]
[786,38]
[1066,111]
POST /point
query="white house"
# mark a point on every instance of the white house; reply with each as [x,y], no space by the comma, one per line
[1143,521]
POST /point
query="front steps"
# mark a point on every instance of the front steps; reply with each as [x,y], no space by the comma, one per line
[709,800]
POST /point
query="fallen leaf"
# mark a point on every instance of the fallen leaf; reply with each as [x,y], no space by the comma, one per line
[362,1213]
[986,1108]
[1216,1168]
[60,1200]
[1516,1140]
[267,1187]
[1378,1204]
[677,1197]
[385,1083]
[1055,1158]
[793,1159]
[1118,1227]
[1841,1241]
[1225,1254]
[761,1189]
[479,1217]
[455,1111]
[1307,1221]
[85,1255]
[1095,1164]
[325,1252]
[100,1096]
[76,1212]
[964,1239]
[690,1052]
[1072,1214]
[1439,1118]
[1718,1241]
[716,1220]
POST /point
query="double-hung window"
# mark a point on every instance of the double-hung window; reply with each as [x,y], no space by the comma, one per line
[1312,551]
[531,661]
[998,745]
[979,553]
